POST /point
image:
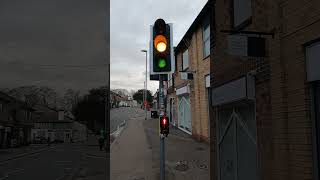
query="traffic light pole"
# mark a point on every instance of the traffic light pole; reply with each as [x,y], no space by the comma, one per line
[162,113]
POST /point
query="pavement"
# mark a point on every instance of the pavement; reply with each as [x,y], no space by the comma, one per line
[135,153]
[185,158]
[130,156]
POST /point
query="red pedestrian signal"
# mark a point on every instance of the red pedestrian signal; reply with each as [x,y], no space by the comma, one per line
[164,125]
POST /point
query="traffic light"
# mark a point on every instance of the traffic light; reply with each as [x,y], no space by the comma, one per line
[161,48]
[164,125]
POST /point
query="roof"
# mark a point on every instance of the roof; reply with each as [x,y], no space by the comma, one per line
[208,7]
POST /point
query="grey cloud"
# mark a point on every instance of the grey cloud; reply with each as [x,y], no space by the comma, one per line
[130,32]
[55,33]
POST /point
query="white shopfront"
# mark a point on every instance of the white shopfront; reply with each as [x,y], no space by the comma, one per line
[184,109]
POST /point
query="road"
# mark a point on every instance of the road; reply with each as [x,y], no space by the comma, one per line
[118,115]
[60,162]
[63,161]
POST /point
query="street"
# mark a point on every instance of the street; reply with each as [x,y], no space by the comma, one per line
[58,162]
[62,161]
[121,114]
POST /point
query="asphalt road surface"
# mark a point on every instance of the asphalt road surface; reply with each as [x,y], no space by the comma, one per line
[118,115]
[61,162]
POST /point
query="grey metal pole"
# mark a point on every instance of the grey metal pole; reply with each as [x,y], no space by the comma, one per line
[146,94]
[162,150]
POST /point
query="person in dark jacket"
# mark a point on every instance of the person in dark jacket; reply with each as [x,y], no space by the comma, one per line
[101,142]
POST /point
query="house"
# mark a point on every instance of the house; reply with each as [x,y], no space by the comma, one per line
[187,97]
[15,122]
[51,123]
[265,90]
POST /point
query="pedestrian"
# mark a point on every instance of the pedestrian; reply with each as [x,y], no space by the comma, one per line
[101,142]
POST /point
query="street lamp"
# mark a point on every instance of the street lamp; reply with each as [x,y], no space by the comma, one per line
[145,94]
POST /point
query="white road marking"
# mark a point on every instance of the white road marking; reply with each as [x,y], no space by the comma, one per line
[15,171]
[11,172]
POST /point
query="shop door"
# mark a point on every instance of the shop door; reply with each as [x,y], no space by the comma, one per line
[184,113]
[237,143]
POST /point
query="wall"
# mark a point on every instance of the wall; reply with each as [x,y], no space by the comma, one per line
[284,128]
[199,101]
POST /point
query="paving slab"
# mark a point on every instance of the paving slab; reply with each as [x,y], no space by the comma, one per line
[130,156]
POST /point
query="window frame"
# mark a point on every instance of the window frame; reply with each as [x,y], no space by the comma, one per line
[205,26]
[244,23]
[185,68]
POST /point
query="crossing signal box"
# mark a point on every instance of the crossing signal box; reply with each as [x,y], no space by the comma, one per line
[161,48]
[164,125]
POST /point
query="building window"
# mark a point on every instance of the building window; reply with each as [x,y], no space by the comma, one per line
[241,11]
[206,40]
[312,61]
[185,60]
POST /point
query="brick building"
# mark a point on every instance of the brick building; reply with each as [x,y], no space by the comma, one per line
[265,110]
[187,100]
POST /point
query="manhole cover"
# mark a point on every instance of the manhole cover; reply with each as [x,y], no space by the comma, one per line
[203,166]
[182,166]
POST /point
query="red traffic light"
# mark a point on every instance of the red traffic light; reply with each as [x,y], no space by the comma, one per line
[164,121]
[164,125]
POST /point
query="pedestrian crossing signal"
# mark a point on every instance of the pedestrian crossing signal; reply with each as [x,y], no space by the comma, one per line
[164,125]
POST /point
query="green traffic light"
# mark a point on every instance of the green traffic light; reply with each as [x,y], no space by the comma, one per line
[162,63]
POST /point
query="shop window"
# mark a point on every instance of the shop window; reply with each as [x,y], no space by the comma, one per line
[241,11]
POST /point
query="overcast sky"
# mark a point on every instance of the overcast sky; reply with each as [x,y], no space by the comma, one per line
[130,30]
[56,43]
[61,43]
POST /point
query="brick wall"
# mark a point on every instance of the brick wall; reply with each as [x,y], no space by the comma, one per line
[201,65]
[198,97]
[284,136]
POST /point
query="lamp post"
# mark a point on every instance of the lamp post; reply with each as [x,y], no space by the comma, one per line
[146,86]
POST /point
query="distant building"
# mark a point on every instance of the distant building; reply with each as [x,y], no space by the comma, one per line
[58,125]
[15,122]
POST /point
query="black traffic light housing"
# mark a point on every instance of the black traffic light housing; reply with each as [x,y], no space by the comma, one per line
[161,45]
[164,125]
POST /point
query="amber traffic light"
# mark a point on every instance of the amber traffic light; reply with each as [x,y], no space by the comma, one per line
[161,47]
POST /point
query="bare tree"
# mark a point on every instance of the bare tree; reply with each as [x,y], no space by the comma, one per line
[34,95]
[71,98]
